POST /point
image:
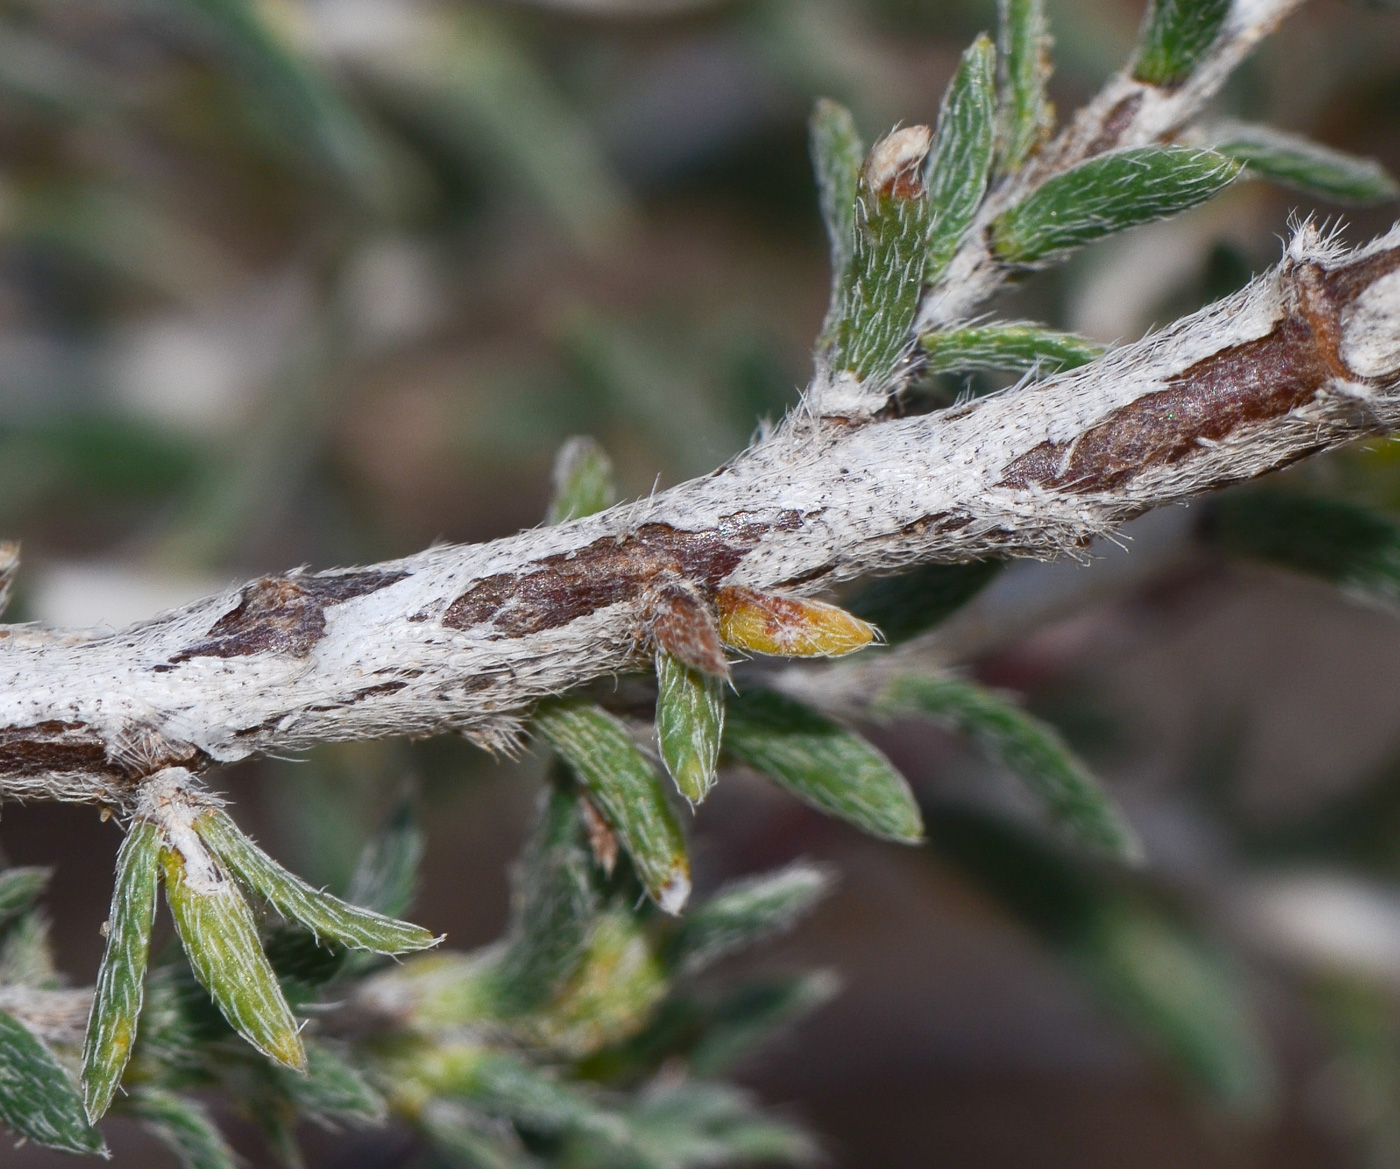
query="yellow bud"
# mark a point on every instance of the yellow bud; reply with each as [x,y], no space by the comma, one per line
[767,623]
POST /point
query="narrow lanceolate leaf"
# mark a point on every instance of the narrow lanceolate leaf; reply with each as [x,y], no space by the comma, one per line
[583,481]
[1027,747]
[332,1091]
[183,1126]
[1304,165]
[837,154]
[1108,194]
[20,889]
[751,1015]
[626,790]
[324,915]
[689,722]
[1018,348]
[553,907]
[745,912]
[1025,116]
[116,1000]
[768,623]
[1347,545]
[1175,37]
[880,293]
[904,606]
[824,764]
[961,158]
[37,1099]
[221,942]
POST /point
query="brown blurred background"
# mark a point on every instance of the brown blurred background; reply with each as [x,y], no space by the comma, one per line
[326,288]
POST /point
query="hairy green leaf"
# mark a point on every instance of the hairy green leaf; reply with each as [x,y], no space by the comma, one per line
[37,1099]
[116,1000]
[1345,544]
[1303,165]
[689,723]
[583,481]
[1168,983]
[961,158]
[466,1138]
[1025,746]
[1175,36]
[829,767]
[626,790]
[26,955]
[183,1126]
[751,1015]
[879,297]
[221,942]
[1015,347]
[306,105]
[20,888]
[324,915]
[553,908]
[906,605]
[386,875]
[332,1091]
[1108,194]
[1025,116]
[746,911]
[837,154]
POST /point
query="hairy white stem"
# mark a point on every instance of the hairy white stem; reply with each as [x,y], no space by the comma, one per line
[467,638]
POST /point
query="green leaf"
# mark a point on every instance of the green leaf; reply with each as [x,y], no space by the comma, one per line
[583,481]
[1168,983]
[386,875]
[466,1138]
[1025,116]
[1347,545]
[906,605]
[1175,36]
[20,888]
[753,1014]
[961,159]
[745,912]
[879,297]
[1025,746]
[121,980]
[837,154]
[1108,194]
[332,1091]
[626,790]
[553,908]
[689,723]
[305,105]
[1306,166]
[1015,347]
[183,1126]
[37,1099]
[829,767]
[324,915]
[26,955]
[221,942]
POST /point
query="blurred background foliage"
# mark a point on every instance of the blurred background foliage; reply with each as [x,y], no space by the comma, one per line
[322,281]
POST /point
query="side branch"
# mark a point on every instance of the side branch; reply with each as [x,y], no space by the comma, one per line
[466,638]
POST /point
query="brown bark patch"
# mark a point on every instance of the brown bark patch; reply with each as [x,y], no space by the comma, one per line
[283,614]
[1245,384]
[562,588]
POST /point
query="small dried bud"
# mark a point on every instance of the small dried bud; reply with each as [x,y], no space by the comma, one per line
[788,626]
[896,163]
[684,626]
[602,840]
